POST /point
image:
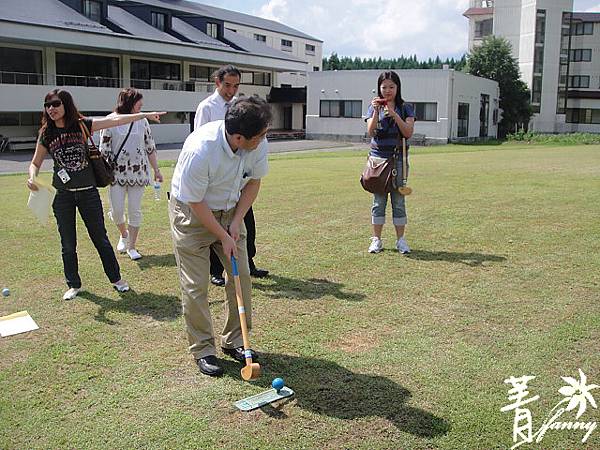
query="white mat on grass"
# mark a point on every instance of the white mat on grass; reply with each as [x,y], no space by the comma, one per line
[16,323]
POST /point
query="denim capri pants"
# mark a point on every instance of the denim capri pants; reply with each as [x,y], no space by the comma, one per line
[398,204]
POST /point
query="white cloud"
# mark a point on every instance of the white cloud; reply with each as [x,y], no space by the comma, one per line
[594,8]
[387,29]
[273,10]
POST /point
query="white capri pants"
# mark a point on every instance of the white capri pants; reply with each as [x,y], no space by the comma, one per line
[116,195]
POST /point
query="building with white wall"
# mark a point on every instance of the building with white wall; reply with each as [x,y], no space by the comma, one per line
[167,49]
[558,52]
[449,105]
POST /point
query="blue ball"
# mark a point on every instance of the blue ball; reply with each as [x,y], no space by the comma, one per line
[5,292]
[277,384]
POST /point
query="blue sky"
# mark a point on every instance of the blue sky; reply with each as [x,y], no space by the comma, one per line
[368,28]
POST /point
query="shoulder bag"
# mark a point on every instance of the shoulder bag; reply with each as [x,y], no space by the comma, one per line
[379,174]
[104,169]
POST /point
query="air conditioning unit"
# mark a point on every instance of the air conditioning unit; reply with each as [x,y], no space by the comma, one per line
[168,86]
[202,86]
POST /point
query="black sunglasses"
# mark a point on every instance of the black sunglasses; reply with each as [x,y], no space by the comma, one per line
[53,103]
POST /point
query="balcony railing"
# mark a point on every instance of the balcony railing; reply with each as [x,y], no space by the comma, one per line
[76,80]
[21,78]
[85,81]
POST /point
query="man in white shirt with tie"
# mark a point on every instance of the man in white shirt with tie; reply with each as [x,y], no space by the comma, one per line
[213,108]
[215,182]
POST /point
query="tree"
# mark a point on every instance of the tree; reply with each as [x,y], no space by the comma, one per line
[334,62]
[493,59]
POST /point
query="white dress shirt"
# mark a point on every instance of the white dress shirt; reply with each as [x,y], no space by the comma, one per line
[211,108]
[208,170]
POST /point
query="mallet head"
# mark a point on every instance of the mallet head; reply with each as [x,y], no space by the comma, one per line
[251,371]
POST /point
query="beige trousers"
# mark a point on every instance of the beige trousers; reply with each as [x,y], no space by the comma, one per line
[191,242]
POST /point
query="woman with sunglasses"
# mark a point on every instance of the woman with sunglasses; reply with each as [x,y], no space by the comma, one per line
[61,135]
[132,149]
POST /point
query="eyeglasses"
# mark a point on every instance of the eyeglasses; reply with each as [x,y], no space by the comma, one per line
[53,103]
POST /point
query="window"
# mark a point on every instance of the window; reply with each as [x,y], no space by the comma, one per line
[540,26]
[19,119]
[92,10]
[536,93]
[261,78]
[75,69]
[538,60]
[260,37]
[212,29]
[341,108]
[201,73]
[20,66]
[484,115]
[315,68]
[256,78]
[484,28]
[581,55]
[310,49]
[286,45]
[463,120]
[583,115]
[579,81]
[581,28]
[144,71]
[159,21]
[426,111]
[246,78]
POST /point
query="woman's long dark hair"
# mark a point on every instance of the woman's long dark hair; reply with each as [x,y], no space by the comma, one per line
[391,75]
[72,114]
[127,98]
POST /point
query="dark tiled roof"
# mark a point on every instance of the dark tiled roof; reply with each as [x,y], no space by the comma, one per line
[51,13]
[226,15]
[135,26]
[195,35]
[257,48]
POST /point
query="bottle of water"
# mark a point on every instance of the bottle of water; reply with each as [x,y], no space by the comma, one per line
[157,191]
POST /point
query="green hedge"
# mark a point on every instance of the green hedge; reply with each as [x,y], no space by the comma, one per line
[567,138]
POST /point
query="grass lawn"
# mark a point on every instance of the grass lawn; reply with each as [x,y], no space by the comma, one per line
[383,351]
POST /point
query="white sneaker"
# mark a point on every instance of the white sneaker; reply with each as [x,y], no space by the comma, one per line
[402,246]
[376,245]
[121,285]
[134,254]
[122,245]
[71,293]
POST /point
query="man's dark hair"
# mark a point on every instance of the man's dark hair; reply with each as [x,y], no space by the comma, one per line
[227,70]
[248,116]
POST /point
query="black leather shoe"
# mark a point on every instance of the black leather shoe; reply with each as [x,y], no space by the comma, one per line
[217,281]
[259,273]
[238,354]
[209,365]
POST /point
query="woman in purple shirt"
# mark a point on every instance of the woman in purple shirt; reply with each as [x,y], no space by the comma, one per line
[389,118]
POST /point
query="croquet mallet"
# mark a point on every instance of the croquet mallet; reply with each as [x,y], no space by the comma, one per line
[404,189]
[251,370]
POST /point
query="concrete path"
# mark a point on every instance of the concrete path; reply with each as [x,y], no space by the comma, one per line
[18,162]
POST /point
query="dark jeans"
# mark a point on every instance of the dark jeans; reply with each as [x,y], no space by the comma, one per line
[90,209]
[216,268]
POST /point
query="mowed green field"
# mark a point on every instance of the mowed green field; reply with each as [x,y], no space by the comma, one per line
[383,351]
